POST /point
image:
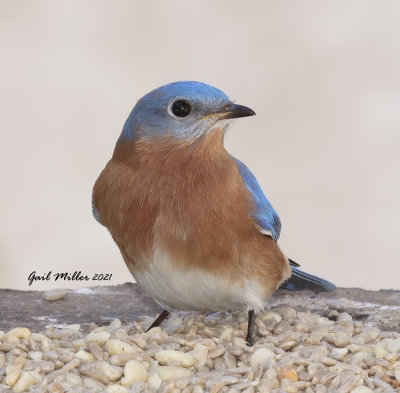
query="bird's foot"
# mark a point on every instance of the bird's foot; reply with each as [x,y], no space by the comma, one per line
[249,341]
[250,328]
[158,320]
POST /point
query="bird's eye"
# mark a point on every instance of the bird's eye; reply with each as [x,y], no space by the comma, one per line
[181,108]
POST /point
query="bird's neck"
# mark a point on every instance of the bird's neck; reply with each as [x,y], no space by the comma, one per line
[172,151]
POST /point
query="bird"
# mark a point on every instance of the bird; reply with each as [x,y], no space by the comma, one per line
[191,221]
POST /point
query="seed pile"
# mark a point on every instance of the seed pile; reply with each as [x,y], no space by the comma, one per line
[293,352]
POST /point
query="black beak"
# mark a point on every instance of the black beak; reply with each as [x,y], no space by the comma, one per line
[235,111]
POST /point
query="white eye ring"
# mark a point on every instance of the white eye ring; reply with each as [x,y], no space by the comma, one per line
[180,108]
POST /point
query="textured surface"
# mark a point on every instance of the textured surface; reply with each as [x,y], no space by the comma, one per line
[293,351]
[127,302]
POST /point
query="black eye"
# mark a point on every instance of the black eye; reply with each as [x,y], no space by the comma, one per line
[181,108]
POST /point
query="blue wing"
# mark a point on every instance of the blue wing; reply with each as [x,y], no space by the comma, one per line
[264,214]
[267,218]
[300,280]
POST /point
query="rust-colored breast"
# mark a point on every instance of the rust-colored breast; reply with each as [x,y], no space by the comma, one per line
[189,199]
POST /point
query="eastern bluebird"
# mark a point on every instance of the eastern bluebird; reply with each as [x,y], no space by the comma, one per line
[190,220]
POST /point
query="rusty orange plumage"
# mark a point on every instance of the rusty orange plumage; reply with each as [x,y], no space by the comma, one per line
[156,190]
[177,206]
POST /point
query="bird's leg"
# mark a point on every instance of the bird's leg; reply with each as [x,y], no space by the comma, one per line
[158,320]
[250,328]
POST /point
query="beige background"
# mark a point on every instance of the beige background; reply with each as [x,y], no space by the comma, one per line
[322,76]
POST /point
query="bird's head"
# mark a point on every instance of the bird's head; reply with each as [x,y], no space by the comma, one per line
[183,110]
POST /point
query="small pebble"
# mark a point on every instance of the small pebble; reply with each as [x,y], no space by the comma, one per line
[19,332]
[200,354]
[118,347]
[111,372]
[95,350]
[361,389]
[288,374]
[75,326]
[27,379]
[115,324]
[85,356]
[54,294]
[154,380]
[12,375]
[164,357]
[393,345]
[168,372]
[288,386]
[261,355]
[35,355]
[271,315]
[99,337]
[117,389]
[134,371]
[73,379]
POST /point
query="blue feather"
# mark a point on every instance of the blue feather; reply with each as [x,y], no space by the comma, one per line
[267,218]
[301,280]
[96,213]
[264,214]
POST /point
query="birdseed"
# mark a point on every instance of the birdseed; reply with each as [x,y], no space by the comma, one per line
[193,353]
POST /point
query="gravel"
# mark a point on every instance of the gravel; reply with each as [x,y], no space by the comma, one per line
[193,353]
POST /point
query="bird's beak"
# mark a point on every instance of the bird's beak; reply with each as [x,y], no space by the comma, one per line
[233,111]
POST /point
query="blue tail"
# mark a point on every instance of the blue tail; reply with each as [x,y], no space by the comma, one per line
[301,280]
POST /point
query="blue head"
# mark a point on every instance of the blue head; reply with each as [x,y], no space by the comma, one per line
[182,110]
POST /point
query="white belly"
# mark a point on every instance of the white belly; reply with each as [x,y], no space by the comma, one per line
[194,289]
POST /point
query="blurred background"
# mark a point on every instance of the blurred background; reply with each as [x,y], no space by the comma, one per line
[323,78]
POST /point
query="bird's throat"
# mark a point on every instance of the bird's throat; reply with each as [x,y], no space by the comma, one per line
[207,149]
